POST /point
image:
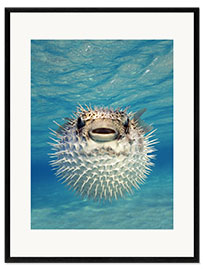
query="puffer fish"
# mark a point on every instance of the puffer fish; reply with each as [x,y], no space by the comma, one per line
[103,154]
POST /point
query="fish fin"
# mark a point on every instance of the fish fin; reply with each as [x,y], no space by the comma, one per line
[145,127]
[140,123]
[139,113]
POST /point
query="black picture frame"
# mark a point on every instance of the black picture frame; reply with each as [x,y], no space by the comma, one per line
[8,258]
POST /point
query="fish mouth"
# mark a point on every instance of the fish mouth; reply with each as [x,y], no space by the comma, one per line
[103,134]
[103,131]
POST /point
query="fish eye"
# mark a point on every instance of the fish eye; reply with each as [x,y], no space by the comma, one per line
[126,122]
[80,122]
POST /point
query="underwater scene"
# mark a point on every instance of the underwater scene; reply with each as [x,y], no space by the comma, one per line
[102,134]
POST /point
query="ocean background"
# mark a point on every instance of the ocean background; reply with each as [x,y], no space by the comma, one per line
[116,73]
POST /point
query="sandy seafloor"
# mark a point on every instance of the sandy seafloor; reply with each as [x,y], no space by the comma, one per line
[135,73]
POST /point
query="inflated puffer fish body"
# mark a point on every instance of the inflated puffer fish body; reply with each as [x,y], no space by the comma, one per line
[103,153]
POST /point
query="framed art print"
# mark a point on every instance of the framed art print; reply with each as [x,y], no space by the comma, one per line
[102,140]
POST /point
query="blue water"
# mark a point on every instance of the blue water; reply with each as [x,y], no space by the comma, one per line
[116,73]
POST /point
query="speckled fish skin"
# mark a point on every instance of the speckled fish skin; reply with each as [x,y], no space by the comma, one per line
[97,169]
